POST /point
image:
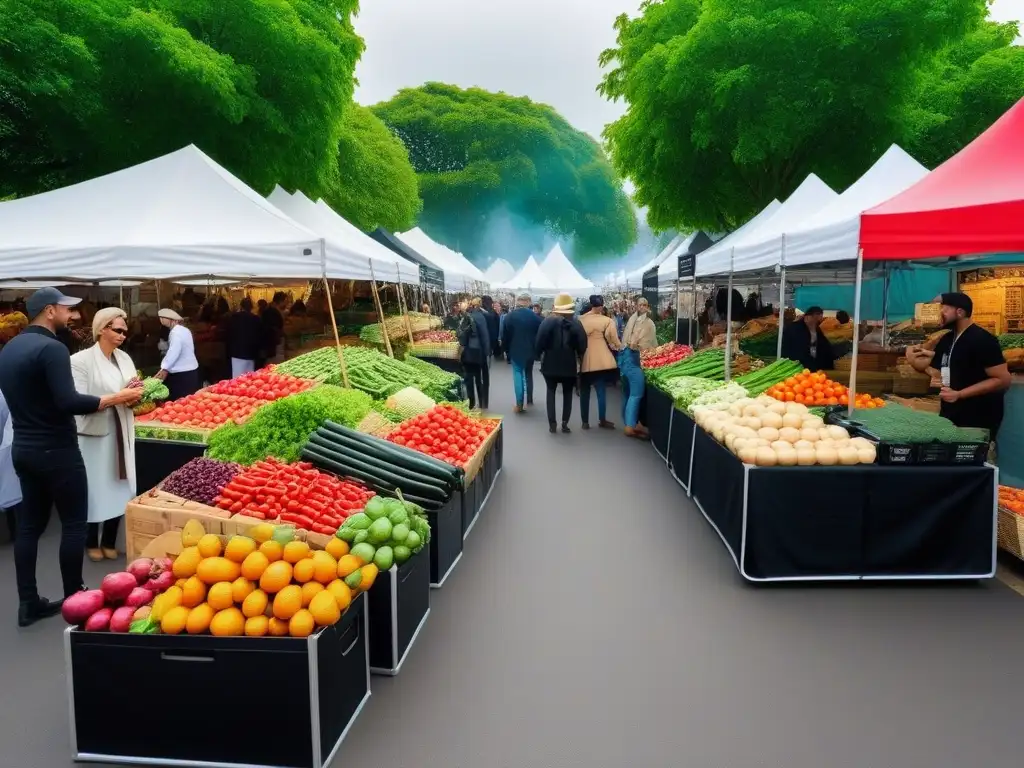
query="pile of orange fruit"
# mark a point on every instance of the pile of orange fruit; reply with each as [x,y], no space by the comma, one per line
[1011,499]
[816,389]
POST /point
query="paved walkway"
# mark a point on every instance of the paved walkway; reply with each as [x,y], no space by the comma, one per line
[597,621]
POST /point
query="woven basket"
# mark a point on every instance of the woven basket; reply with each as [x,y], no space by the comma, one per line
[1011,533]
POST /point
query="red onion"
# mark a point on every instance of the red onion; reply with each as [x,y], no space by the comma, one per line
[201,479]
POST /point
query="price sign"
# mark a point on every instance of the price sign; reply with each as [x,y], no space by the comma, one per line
[431,279]
[687,265]
[650,287]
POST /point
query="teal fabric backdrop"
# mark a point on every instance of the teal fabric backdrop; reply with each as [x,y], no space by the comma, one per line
[907,287]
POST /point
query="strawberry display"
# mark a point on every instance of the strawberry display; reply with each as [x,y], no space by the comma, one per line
[444,432]
[263,384]
[204,410]
[293,493]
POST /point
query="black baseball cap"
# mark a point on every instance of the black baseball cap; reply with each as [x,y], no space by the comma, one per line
[44,297]
[958,300]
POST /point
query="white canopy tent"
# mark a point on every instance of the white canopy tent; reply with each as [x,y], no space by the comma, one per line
[530,278]
[637,274]
[833,233]
[499,272]
[669,270]
[348,253]
[762,248]
[564,275]
[456,267]
[174,216]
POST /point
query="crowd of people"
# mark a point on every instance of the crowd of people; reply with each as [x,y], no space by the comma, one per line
[583,350]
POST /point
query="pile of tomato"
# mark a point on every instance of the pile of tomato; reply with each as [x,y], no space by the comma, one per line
[263,384]
[445,433]
[666,354]
[296,494]
[204,410]
[816,389]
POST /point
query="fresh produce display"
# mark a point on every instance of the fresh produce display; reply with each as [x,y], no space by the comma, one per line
[665,330]
[439,336]
[374,423]
[153,390]
[1011,499]
[263,584]
[444,433]
[388,532]
[165,433]
[122,603]
[1011,341]
[666,354]
[706,364]
[297,494]
[409,402]
[723,394]
[263,384]
[200,480]
[205,410]
[899,424]
[757,382]
[765,343]
[11,325]
[374,373]
[817,389]
[685,389]
[384,466]
[768,433]
[281,428]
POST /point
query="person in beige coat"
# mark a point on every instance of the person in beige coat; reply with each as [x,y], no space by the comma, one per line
[106,438]
[599,367]
[640,334]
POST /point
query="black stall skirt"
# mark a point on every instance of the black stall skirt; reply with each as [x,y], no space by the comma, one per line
[680,446]
[659,417]
[836,523]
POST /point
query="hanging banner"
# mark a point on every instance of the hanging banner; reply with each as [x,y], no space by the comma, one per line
[649,288]
[687,265]
[431,279]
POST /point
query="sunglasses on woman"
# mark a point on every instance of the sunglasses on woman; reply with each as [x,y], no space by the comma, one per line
[118,331]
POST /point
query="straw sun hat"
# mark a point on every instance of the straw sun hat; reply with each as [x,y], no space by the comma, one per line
[564,305]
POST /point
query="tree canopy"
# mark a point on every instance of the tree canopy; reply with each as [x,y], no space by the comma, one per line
[731,103]
[91,87]
[482,157]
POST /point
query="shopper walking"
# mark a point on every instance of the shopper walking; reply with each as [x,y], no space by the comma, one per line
[107,438]
[492,313]
[179,369]
[244,338]
[273,325]
[561,344]
[639,334]
[599,367]
[35,378]
[501,334]
[483,328]
[472,356]
[519,340]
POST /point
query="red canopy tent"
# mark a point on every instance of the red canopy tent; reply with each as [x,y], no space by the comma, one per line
[972,203]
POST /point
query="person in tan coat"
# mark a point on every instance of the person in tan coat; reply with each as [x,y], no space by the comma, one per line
[599,367]
[640,334]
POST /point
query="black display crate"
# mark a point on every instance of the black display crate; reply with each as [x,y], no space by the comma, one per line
[398,609]
[156,459]
[204,684]
[478,491]
[680,446]
[445,539]
[659,414]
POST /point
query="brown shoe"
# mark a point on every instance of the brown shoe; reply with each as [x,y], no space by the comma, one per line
[607,424]
[111,554]
[519,409]
[643,430]
[96,555]
[634,433]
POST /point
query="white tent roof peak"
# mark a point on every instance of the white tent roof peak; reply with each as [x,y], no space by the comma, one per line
[176,215]
[499,271]
[530,278]
[715,260]
[563,274]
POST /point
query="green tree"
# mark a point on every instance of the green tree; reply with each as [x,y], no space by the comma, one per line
[962,91]
[260,85]
[731,103]
[482,156]
[377,184]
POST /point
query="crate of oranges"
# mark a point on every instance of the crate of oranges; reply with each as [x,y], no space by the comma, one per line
[816,389]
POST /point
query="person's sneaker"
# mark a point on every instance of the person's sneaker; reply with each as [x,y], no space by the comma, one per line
[607,424]
[565,429]
[520,409]
[529,402]
[585,425]
[552,428]
[634,433]
[32,611]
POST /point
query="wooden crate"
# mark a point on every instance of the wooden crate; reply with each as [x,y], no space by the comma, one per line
[156,512]
[872,382]
[475,463]
[1011,533]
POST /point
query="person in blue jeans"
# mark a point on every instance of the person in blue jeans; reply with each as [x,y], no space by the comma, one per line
[639,334]
[518,339]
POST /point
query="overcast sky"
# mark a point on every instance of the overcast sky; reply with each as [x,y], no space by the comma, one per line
[544,49]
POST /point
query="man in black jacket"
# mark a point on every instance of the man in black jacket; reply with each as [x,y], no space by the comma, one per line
[805,342]
[561,342]
[480,318]
[493,325]
[519,342]
[245,338]
[36,381]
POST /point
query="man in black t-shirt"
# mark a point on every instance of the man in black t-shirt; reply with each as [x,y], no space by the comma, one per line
[970,366]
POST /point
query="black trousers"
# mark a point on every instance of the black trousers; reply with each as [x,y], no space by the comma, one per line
[485,390]
[472,375]
[103,534]
[182,384]
[568,385]
[50,478]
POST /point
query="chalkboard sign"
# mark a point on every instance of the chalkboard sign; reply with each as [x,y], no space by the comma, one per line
[687,265]
[431,279]
[650,287]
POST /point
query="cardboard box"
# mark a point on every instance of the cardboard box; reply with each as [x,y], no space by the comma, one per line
[156,512]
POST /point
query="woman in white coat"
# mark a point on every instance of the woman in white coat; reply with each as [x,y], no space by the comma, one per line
[106,438]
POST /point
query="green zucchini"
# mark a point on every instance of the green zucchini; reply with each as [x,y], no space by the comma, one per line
[368,463]
[402,456]
[381,451]
[313,455]
[392,478]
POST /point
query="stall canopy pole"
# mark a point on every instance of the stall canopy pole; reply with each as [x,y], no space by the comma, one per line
[334,320]
[782,301]
[728,319]
[885,305]
[856,325]
[402,306]
[694,341]
[380,311]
